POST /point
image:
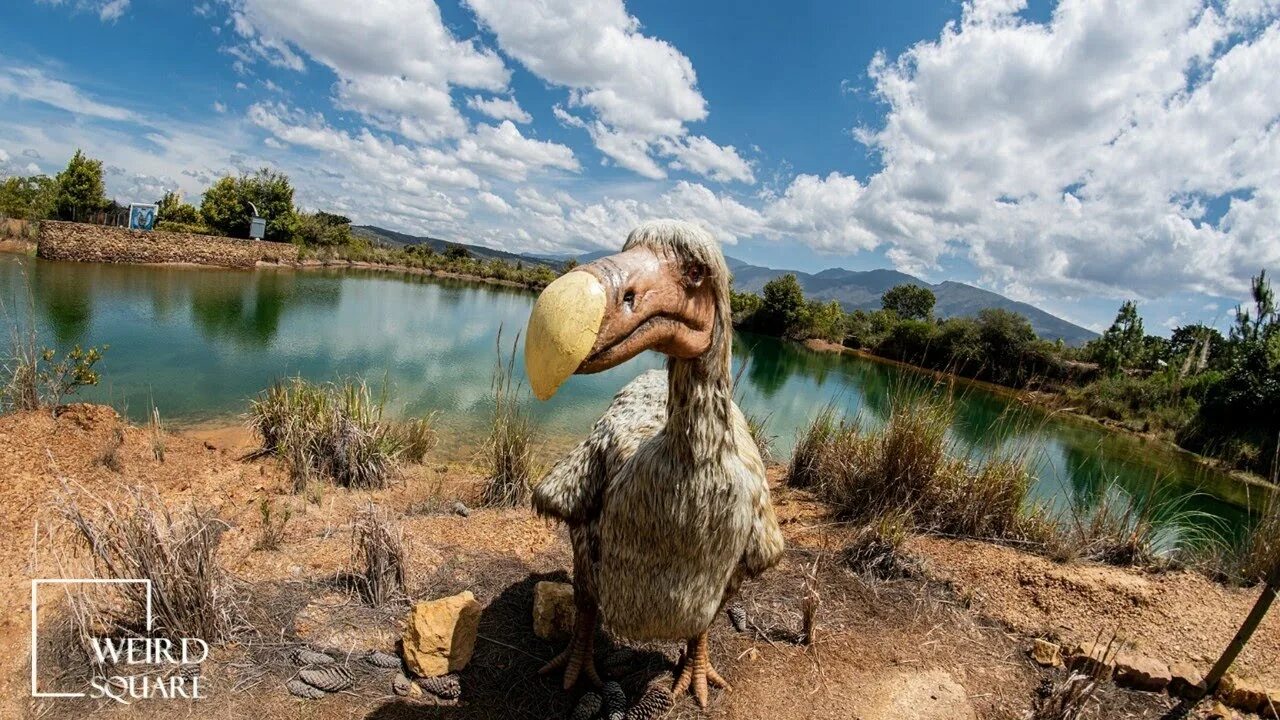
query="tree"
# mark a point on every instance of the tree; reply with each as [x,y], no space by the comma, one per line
[28,198]
[80,188]
[782,306]
[322,229]
[456,253]
[226,205]
[171,208]
[910,302]
[821,320]
[1121,345]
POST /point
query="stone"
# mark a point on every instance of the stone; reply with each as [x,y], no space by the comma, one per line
[1141,673]
[1218,711]
[440,635]
[1046,654]
[1096,660]
[460,508]
[1186,681]
[101,243]
[1241,694]
[553,610]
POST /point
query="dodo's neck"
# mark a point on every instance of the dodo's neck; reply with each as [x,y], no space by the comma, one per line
[700,397]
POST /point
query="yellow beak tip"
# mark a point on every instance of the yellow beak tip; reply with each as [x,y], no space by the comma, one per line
[562,330]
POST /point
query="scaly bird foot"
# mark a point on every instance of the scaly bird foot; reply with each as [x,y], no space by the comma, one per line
[579,658]
[696,673]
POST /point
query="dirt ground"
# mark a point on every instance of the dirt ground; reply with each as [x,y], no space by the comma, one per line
[949,644]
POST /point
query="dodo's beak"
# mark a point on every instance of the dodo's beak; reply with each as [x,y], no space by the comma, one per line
[609,311]
[562,330]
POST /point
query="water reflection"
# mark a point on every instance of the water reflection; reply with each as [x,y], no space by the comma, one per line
[198,343]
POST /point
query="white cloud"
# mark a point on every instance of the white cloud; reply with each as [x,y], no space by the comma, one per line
[112,10]
[499,108]
[33,84]
[503,151]
[219,107]
[493,203]
[640,91]
[106,10]
[399,78]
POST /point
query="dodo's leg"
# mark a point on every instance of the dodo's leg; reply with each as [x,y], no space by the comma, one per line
[697,673]
[579,658]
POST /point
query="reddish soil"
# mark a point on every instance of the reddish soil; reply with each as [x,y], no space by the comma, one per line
[911,648]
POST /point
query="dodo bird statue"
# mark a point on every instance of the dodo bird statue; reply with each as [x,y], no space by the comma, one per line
[666,500]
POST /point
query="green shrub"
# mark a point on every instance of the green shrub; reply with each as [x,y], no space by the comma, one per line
[331,430]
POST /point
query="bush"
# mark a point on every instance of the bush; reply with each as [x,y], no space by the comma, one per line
[331,430]
[190,228]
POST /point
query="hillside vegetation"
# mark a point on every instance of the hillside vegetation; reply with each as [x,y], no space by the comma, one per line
[1214,394]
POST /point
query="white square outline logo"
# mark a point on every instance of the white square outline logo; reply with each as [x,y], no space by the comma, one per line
[35,623]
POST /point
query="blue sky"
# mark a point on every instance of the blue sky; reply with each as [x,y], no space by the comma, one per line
[1069,154]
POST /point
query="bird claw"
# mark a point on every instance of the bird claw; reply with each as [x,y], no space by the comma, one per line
[578,659]
[697,674]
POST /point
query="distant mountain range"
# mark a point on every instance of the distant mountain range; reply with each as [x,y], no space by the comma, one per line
[853,289]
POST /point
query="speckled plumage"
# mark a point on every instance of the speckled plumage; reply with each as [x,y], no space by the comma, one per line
[666,500]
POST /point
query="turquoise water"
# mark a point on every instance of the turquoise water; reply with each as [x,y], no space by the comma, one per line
[198,343]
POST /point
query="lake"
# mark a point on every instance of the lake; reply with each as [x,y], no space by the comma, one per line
[198,343]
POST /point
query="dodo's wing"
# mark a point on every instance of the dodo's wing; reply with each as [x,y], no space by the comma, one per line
[573,489]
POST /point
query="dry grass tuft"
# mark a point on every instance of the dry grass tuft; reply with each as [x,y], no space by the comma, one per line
[908,467]
[758,426]
[177,553]
[336,431]
[377,546]
[1064,700]
[508,452]
[1260,561]
[110,455]
[155,431]
[274,521]
[876,550]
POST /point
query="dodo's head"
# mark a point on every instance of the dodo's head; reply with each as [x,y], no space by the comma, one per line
[668,290]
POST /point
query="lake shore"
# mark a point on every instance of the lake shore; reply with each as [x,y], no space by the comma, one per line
[1054,402]
[960,627]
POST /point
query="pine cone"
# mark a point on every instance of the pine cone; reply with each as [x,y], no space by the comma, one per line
[330,678]
[303,690]
[377,658]
[588,707]
[655,703]
[446,687]
[306,656]
[738,617]
[615,700]
[401,685]
[619,658]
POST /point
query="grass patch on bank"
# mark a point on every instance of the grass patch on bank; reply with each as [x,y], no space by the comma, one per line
[910,477]
[337,431]
[909,466]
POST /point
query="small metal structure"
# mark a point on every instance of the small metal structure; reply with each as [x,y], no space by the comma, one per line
[257,224]
[142,216]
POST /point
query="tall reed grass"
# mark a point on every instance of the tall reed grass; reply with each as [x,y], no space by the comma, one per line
[336,431]
[508,451]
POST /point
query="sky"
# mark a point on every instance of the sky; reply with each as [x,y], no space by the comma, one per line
[1070,154]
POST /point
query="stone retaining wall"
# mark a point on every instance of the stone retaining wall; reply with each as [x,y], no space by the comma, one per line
[98,243]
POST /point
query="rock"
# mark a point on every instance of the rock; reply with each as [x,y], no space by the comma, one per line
[1218,711]
[1141,673]
[553,610]
[1241,694]
[1186,681]
[461,509]
[1046,654]
[440,635]
[1097,660]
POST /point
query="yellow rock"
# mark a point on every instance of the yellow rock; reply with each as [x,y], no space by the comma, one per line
[1046,653]
[440,635]
[553,610]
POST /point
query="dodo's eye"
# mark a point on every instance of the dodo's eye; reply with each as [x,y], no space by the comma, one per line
[694,274]
[629,298]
